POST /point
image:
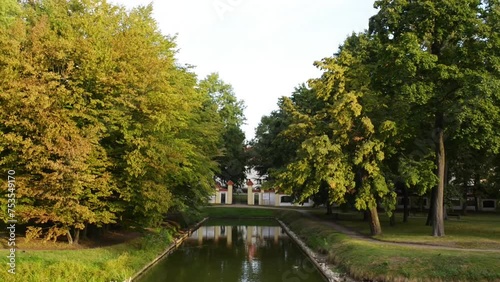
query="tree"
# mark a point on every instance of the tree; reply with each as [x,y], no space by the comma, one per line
[9,11]
[49,136]
[433,53]
[271,149]
[98,121]
[343,147]
[233,158]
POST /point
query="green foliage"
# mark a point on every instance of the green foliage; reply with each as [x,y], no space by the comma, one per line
[420,174]
[425,76]
[9,11]
[229,110]
[274,145]
[97,120]
[437,60]
[343,146]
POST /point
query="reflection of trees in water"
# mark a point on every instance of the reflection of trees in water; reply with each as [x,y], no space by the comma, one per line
[253,255]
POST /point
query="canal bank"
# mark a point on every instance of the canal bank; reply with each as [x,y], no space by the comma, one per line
[320,261]
[368,259]
[174,245]
[244,250]
[301,270]
[374,260]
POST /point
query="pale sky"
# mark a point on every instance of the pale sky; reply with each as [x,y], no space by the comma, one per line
[264,49]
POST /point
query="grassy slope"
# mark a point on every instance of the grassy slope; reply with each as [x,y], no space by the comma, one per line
[394,263]
[112,263]
[365,260]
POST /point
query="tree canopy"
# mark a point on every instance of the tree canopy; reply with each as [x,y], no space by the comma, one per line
[229,110]
[100,123]
[421,84]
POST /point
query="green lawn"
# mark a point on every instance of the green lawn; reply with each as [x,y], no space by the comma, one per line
[365,260]
[472,231]
[229,212]
[241,221]
[113,263]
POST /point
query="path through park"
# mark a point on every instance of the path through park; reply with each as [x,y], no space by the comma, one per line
[357,235]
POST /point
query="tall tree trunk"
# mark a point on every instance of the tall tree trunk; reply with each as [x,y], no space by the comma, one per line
[328,204]
[328,208]
[76,235]
[375,227]
[68,235]
[438,219]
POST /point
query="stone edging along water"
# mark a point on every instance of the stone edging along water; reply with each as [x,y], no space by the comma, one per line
[319,261]
[176,243]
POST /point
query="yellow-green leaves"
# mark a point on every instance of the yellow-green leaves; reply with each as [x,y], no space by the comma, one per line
[97,119]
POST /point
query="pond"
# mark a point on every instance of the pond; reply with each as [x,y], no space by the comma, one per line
[230,251]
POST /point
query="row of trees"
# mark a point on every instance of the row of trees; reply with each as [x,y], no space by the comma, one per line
[414,102]
[100,123]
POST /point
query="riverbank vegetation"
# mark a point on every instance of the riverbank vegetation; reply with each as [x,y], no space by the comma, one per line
[116,262]
[115,255]
[100,126]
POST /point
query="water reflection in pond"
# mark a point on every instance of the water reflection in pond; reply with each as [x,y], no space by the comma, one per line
[232,253]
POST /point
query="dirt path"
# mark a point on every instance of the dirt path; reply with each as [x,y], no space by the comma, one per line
[356,235]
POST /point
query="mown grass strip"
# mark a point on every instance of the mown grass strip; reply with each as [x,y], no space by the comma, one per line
[366,260]
[479,231]
[230,212]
